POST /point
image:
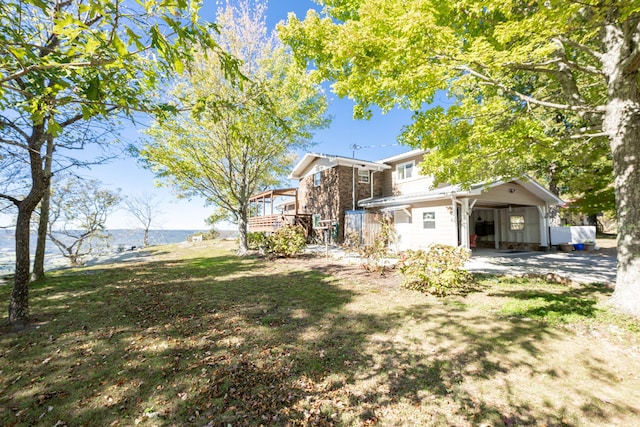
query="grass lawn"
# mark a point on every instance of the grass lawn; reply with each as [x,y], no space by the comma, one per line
[192,335]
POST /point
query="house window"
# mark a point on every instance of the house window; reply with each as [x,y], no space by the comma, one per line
[363,176]
[516,222]
[404,171]
[317,179]
[428,220]
[316,220]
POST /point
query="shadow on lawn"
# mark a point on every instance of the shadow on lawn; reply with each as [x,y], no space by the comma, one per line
[224,340]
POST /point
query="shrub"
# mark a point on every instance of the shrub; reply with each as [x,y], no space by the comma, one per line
[288,241]
[373,255]
[439,270]
[257,240]
[206,235]
[352,241]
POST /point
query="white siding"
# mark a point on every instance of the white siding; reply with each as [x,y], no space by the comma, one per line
[412,235]
[531,232]
[402,224]
[318,165]
[511,193]
[416,184]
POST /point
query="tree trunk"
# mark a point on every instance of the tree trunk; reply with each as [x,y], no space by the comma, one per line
[622,122]
[242,232]
[19,304]
[554,210]
[41,243]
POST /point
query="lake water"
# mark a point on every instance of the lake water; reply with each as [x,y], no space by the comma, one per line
[119,240]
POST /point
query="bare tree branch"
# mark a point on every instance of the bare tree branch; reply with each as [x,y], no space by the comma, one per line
[10,198]
[581,47]
[531,100]
[8,123]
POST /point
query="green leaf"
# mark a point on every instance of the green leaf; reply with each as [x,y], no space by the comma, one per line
[92,92]
[121,48]
[41,4]
[135,38]
[91,45]
[178,65]
[54,129]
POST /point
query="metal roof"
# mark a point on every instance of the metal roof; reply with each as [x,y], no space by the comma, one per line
[446,192]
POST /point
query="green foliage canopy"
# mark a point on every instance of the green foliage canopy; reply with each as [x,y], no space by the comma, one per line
[240,143]
[92,54]
[524,89]
[63,63]
[549,86]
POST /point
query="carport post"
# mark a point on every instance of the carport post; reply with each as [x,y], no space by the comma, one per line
[454,211]
[496,228]
[544,226]
[464,223]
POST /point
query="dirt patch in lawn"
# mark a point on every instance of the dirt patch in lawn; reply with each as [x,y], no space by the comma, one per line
[353,272]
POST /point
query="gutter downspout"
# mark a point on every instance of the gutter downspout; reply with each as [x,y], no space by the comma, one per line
[353,188]
[354,147]
[371,184]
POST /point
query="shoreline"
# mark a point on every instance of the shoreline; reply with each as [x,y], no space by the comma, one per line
[120,240]
[59,262]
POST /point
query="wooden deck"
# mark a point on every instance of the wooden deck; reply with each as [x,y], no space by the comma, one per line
[271,223]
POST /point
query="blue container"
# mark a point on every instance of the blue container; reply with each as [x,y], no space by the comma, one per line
[579,246]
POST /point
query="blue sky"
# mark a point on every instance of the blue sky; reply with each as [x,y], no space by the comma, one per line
[376,137]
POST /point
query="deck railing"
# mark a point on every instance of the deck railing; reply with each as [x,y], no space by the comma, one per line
[270,223]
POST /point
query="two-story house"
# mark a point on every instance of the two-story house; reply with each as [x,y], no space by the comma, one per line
[504,214]
[331,185]
[509,214]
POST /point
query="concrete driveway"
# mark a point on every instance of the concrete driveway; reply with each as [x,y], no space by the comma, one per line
[579,266]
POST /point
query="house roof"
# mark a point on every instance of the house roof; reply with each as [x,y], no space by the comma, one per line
[402,156]
[538,190]
[449,191]
[271,194]
[404,199]
[300,169]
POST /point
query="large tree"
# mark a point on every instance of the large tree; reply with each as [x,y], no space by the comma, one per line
[79,212]
[100,133]
[530,82]
[145,208]
[66,62]
[229,151]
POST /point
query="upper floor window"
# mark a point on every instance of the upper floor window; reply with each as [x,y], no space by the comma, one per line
[404,171]
[317,179]
[363,176]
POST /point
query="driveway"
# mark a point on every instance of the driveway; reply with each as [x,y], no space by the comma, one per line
[579,266]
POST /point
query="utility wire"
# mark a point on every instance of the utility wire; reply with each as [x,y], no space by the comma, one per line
[357,147]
